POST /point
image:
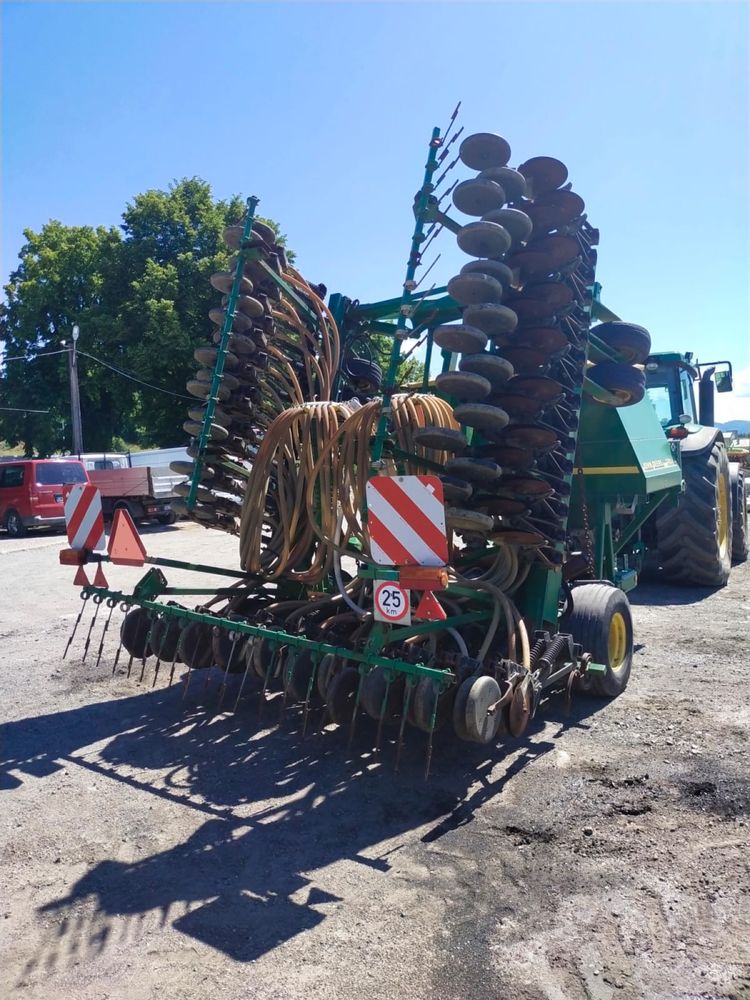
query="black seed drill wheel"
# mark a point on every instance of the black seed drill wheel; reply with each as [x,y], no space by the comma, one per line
[631,342]
[165,634]
[739,514]
[134,632]
[694,536]
[428,699]
[195,646]
[599,619]
[342,690]
[374,693]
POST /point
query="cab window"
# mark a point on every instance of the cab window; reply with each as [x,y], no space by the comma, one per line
[59,473]
[686,391]
[12,476]
[659,396]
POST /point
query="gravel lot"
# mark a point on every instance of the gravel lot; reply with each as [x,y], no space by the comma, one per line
[153,848]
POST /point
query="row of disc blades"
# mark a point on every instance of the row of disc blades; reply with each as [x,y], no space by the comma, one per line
[261,351]
[525,301]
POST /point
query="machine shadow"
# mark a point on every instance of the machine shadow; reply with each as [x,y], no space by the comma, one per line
[654,591]
[278,806]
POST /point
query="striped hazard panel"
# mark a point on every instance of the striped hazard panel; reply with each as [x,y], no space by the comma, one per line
[406,521]
[83,517]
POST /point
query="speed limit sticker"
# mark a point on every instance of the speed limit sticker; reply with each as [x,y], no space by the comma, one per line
[392,603]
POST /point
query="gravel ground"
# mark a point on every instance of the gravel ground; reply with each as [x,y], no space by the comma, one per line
[153,848]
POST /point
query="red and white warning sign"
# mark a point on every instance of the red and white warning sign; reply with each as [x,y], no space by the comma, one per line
[84,520]
[406,521]
[392,603]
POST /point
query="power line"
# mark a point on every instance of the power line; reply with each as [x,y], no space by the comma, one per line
[134,378]
[118,371]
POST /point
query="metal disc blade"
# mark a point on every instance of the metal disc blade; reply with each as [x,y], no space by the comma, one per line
[440,438]
[491,318]
[468,520]
[491,366]
[463,385]
[483,150]
[518,223]
[511,181]
[495,268]
[543,173]
[459,338]
[483,239]
[481,416]
[474,470]
[538,387]
[477,196]
[474,288]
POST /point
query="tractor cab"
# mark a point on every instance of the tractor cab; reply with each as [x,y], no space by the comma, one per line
[670,384]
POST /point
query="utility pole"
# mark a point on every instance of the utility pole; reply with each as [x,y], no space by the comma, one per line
[75,397]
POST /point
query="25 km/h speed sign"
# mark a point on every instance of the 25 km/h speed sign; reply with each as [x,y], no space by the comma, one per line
[392,603]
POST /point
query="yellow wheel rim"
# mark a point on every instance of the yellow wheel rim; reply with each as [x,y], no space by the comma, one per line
[722,516]
[617,646]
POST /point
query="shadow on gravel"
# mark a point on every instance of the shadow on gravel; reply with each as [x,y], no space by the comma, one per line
[652,591]
[241,883]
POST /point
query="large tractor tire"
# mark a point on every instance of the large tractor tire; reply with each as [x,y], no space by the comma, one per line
[694,537]
[599,619]
[739,513]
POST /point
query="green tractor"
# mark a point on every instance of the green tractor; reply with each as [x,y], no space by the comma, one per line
[705,531]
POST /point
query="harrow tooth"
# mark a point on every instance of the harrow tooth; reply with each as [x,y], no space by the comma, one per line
[171,669]
[404,714]
[355,708]
[111,606]
[310,685]
[156,671]
[428,762]
[248,654]
[130,664]
[223,688]
[84,598]
[97,604]
[388,679]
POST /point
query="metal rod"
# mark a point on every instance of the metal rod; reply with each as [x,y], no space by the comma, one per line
[84,597]
[221,354]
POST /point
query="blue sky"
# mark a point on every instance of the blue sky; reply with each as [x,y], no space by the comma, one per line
[324,112]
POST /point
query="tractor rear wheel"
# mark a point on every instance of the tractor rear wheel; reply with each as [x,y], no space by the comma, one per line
[739,514]
[599,619]
[694,537]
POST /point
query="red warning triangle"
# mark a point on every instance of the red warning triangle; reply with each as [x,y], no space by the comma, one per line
[100,579]
[81,580]
[125,546]
[430,609]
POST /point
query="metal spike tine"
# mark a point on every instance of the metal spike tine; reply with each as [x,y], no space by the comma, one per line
[310,683]
[171,669]
[426,273]
[187,679]
[156,671]
[404,714]
[117,657]
[382,712]
[104,634]
[452,121]
[355,710]
[97,605]
[130,664]
[442,177]
[223,688]
[263,690]
[75,626]
[242,682]
[432,731]
[447,191]
[429,243]
[448,145]
[146,649]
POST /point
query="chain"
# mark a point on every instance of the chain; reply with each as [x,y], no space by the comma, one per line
[588,548]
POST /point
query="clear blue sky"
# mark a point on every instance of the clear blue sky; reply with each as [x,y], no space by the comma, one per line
[324,111]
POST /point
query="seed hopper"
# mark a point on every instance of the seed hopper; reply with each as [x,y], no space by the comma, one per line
[445,554]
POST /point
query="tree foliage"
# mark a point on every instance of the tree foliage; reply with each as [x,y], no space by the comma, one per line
[140,295]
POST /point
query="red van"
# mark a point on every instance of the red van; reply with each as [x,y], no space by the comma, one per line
[31,492]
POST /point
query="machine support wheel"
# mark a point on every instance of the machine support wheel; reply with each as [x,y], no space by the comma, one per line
[739,514]
[694,537]
[14,525]
[626,383]
[599,619]
[631,342]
